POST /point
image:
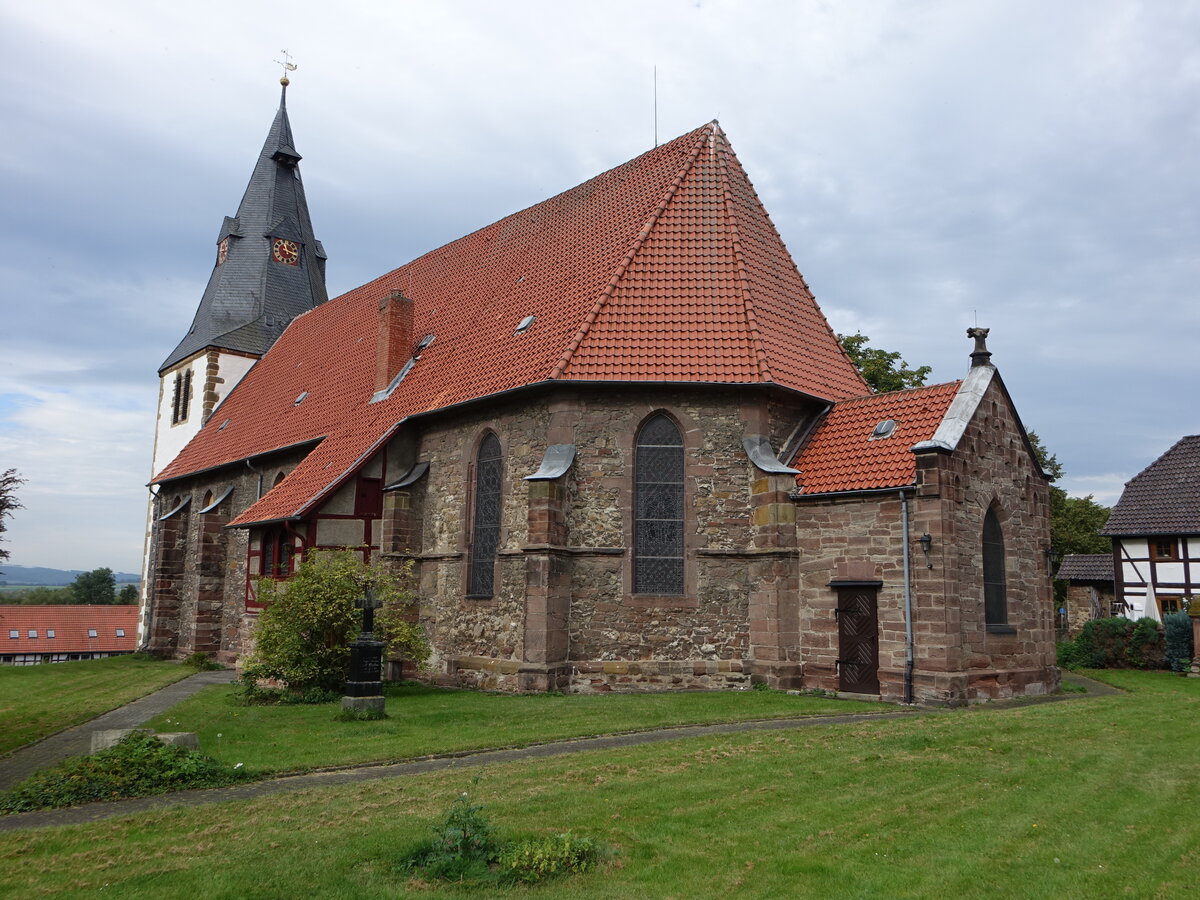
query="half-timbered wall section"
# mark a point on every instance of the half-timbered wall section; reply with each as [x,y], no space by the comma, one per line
[1156,574]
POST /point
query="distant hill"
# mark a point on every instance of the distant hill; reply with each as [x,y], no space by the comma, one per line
[38,577]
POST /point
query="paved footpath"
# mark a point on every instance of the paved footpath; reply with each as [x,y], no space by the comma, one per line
[95,812]
[77,741]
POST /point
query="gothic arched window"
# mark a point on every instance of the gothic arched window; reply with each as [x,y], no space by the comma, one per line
[995,599]
[658,508]
[485,527]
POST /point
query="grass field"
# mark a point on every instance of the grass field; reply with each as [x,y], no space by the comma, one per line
[36,701]
[426,720]
[1091,798]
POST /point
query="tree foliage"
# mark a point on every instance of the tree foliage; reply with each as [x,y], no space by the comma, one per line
[1075,522]
[304,632]
[883,370]
[128,595]
[97,587]
[8,502]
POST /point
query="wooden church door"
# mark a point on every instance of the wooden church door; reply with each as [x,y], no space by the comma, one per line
[858,638]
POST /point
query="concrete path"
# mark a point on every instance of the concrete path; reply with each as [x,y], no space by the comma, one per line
[471,759]
[77,741]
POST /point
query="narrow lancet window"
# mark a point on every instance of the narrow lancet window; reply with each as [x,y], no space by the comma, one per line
[485,527]
[658,508]
[995,599]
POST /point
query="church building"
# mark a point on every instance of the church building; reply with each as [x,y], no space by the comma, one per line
[619,443]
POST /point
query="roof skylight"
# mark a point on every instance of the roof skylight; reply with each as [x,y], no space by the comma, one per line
[883,429]
[526,324]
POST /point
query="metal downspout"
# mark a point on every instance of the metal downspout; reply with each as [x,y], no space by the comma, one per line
[151,572]
[258,493]
[908,633]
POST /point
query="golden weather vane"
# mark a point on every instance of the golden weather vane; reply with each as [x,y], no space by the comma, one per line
[288,66]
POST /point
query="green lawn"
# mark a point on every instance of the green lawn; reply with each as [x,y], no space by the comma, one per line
[36,701]
[1091,798]
[425,720]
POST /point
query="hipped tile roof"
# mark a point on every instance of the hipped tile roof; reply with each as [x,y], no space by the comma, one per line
[1164,498]
[70,625]
[841,456]
[1086,567]
[664,269]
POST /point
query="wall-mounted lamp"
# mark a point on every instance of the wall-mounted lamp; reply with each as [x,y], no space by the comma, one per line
[926,542]
[1051,559]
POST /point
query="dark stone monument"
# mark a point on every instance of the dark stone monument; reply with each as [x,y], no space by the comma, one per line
[364,686]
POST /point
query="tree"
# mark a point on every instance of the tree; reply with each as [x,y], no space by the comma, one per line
[304,632]
[882,370]
[8,502]
[1075,522]
[128,595]
[97,587]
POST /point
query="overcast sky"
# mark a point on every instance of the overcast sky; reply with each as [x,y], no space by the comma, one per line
[1028,165]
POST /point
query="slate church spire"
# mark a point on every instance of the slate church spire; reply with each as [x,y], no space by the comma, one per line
[268,266]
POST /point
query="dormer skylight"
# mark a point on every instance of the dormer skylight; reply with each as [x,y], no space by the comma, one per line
[300,399]
[883,429]
[525,325]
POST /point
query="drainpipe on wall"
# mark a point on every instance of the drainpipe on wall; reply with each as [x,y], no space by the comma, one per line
[257,493]
[908,633]
[151,569]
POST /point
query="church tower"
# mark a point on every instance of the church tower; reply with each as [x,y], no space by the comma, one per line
[268,268]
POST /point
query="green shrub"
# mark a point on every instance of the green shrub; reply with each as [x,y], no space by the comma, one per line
[138,766]
[1068,655]
[1145,649]
[201,663]
[251,694]
[1102,643]
[536,859]
[1177,641]
[304,632]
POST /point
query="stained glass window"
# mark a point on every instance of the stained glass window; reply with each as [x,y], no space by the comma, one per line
[485,529]
[658,508]
[995,600]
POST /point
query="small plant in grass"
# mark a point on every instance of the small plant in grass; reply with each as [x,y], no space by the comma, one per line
[138,766]
[465,848]
[537,859]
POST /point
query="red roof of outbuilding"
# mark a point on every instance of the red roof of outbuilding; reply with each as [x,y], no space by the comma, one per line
[841,456]
[71,626]
[664,269]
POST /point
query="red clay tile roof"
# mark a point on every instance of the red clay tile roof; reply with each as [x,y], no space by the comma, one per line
[1086,567]
[666,268]
[840,455]
[70,625]
[1164,498]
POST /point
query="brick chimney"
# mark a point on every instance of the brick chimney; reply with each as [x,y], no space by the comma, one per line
[394,342]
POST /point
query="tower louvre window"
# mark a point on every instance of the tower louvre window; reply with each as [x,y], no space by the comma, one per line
[182,397]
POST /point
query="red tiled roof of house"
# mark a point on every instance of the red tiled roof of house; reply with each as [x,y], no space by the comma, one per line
[1164,498]
[841,456]
[71,627]
[666,268]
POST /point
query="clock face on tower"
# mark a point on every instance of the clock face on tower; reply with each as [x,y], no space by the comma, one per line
[286,252]
[222,251]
